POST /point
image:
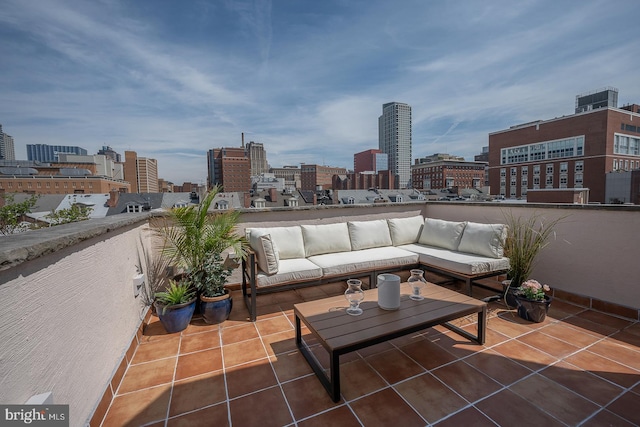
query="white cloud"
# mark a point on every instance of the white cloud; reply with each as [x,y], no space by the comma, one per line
[308,80]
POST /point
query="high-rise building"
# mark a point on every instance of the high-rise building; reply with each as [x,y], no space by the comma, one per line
[7,149]
[148,175]
[575,151]
[110,153]
[141,173]
[229,168]
[394,136]
[49,153]
[258,158]
[370,161]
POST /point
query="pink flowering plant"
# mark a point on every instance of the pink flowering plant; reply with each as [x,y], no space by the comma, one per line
[533,290]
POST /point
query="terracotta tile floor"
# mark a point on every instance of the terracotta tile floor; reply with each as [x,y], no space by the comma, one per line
[578,367]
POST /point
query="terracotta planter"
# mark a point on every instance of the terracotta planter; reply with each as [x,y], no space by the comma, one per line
[216,309]
[534,311]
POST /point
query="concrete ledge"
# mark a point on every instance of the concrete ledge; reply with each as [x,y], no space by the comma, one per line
[18,248]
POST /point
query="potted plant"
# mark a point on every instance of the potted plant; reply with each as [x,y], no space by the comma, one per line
[526,237]
[532,301]
[196,240]
[175,305]
[215,299]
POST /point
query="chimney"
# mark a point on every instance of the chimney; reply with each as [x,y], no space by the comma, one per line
[114,195]
[242,140]
[273,194]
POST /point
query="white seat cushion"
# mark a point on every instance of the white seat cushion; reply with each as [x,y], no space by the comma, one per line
[405,230]
[369,234]
[290,271]
[483,239]
[342,263]
[325,238]
[288,240]
[441,233]
[459,262]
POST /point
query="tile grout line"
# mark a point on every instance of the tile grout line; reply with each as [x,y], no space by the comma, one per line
[275,374]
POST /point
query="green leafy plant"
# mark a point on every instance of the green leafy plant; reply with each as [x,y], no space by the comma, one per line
[177,293]
[12,212]
[213,276]
[193,238]
[526,237]
[75,213]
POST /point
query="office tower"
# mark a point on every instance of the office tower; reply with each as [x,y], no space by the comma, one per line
[110,153]
[141,173]
[258,158]
[229,168]
[394,135]
[7,149]
[370,161]
[49,153]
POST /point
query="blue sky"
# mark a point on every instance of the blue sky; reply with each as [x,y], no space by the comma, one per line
[172,79]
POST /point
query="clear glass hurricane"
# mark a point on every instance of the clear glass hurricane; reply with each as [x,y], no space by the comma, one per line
[417,282]
[354,294]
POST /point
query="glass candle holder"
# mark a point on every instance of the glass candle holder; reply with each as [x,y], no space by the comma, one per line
[354,294]
[417,282]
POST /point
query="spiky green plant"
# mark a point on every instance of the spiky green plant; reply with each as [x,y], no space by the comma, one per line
[177,293]
[526,237]
[192,236]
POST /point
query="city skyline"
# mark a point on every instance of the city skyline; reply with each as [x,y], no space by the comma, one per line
[171,81]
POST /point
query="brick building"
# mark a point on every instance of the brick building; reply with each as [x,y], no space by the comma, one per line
[575,151]
[229,168]
[441,174]
[370,161]
[317,177]
[364,181]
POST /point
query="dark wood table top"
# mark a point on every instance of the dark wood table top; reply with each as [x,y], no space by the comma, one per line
[328,319]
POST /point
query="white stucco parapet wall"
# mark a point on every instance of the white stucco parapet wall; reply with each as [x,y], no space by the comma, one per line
[18,248]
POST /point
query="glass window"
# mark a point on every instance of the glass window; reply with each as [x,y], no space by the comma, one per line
[564,167]
[579,166]
[549,168]
[536,169]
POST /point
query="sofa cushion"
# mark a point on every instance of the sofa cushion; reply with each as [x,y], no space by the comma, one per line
[290,271]
[459,262]
[405,230]
[344,263]
[325,238]
[369,234]
[268,260]
[441,233]
[288,240]
[483,239]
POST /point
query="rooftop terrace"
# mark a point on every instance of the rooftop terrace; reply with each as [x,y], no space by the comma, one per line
[72,326]
[578,367]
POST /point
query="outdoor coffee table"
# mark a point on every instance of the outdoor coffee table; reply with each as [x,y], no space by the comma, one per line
[340,333]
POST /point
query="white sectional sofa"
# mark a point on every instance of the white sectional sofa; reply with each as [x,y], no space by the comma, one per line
[306,255]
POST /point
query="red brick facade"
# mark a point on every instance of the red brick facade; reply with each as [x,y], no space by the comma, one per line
[598,128]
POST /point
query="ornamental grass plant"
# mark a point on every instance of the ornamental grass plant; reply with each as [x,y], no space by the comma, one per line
[526,237]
